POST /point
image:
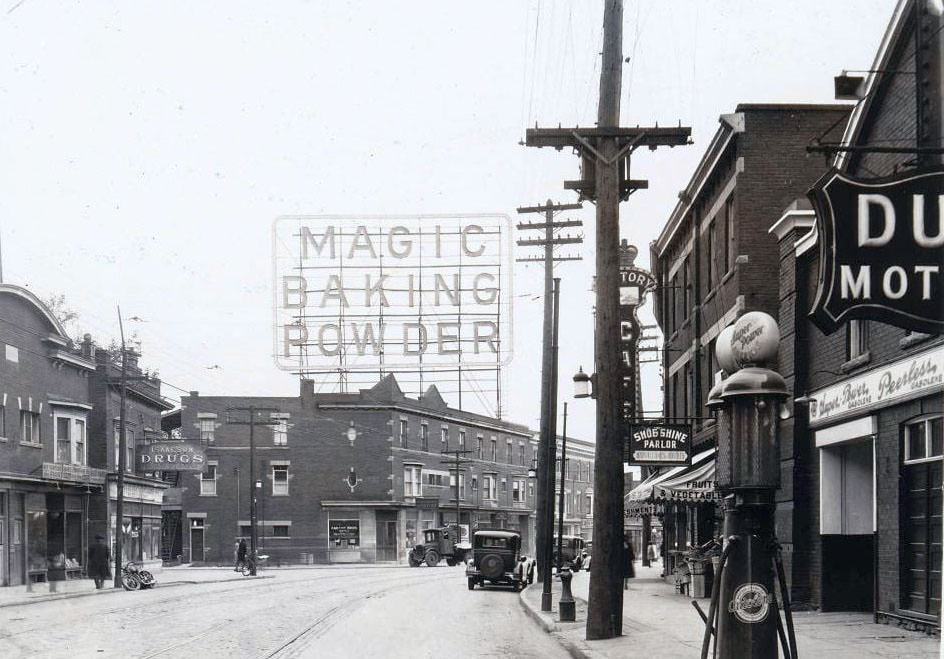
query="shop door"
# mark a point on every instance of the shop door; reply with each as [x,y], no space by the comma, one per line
[386,536]
[847,527]
[196,543]
[17,577]
[921,531]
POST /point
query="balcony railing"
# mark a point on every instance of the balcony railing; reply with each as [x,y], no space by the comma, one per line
[73,473]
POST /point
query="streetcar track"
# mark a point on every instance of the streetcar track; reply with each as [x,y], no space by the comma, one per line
[321,625]
[139,608]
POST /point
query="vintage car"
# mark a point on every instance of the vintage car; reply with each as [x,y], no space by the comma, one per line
[573,551]
[497,559]
[438,544]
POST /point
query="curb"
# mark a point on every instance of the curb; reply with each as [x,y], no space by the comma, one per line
[574,649]
[96,593]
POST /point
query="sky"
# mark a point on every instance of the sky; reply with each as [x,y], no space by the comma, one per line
[148,147]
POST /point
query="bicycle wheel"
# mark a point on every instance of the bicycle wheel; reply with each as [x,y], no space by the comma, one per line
[247,570]
[130,581]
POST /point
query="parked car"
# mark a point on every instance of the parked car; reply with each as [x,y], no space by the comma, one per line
[497,559]
[573,549]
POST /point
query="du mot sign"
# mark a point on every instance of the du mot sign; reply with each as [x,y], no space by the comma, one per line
[881,250]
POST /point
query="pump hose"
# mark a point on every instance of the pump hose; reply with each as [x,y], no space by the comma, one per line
[715,594]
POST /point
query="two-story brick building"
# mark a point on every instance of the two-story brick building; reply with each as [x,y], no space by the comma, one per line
[58,406]
[714,260]
[861,502]
[348,477]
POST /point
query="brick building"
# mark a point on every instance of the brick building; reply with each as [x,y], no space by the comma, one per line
[714,260]
[58,403]
[862,467]
[347,477]
[578,488]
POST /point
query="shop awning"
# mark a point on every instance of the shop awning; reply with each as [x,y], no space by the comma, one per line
[693,483]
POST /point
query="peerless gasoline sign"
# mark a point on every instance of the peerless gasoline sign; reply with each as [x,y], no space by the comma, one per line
[881,250]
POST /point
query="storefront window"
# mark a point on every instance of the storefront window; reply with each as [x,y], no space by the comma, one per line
[921,528]
[36,540]
[74,553]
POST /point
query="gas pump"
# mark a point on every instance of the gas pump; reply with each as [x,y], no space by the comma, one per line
[744,614]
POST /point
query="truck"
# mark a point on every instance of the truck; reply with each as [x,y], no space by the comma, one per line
[439,544]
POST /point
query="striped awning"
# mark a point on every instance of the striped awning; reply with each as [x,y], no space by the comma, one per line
[694,483]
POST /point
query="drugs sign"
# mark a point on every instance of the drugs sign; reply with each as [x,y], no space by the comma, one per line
[371,292]
[172,456]
[881,250]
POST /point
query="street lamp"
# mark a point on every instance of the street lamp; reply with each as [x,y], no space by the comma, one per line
[583,385]
[255,530]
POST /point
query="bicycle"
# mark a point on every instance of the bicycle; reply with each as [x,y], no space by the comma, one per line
[253,561]
[129,577]
[134,578]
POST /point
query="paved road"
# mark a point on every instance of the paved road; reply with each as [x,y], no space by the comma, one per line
[325,613]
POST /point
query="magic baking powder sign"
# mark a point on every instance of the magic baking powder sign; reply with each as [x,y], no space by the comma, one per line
[392,291]
[881,250]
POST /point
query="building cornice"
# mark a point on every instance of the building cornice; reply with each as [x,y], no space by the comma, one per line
[399,407]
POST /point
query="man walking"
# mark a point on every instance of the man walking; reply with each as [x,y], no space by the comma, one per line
[240,554]
[99,562]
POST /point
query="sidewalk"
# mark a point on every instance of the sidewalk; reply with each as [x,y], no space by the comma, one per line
[658,622]
[177,575]
[168,576]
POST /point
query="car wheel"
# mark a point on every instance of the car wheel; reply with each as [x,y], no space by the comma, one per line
[471,584]
[432,558]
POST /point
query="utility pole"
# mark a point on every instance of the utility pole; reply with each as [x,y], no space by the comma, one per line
[605,158]
[122,459]
[544,519]
[252,410]
[560,504]
[457,460]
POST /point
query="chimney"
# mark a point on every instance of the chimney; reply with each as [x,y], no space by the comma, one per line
[86,347]
[307,391]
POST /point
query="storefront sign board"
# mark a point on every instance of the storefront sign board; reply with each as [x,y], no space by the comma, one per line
[881,250]
[914,376]
[172,456]
[658,444]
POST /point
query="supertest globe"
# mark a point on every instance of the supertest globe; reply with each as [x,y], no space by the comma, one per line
[755,338]
[723,350]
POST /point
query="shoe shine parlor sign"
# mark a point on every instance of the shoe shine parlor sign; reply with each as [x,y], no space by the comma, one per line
[366,292]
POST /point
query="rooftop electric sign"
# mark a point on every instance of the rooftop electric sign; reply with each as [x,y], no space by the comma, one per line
[881,250]
[362,293]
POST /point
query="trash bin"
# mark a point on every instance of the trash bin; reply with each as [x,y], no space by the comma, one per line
[305,557]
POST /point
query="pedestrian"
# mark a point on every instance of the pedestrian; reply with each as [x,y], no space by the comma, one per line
[99,562]
[240,554]
[629,555]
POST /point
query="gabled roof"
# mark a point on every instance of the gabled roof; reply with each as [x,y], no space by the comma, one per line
[30,297]
[879,73]
[387,389]
[432,398]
